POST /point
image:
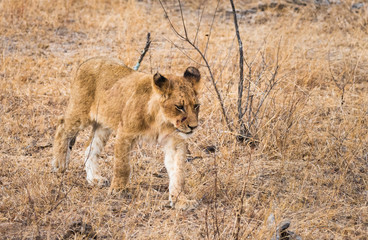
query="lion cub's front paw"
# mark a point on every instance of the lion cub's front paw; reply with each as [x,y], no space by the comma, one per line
[117,185]
[182,203]
[114,191]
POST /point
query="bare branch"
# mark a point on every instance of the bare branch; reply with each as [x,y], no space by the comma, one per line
[243,131]
[183,52]
[272,83]
[199,23]
[186,39]
[145,50]
[214,85]
[249,96]
[209,34]
[171,24]
[182,19]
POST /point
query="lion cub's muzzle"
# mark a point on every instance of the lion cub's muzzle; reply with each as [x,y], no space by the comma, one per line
[188,130]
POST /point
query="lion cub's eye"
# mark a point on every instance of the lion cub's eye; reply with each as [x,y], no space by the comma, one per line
[180,108]
[196,106]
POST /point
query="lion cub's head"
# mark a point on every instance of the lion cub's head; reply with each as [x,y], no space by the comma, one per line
[179,102]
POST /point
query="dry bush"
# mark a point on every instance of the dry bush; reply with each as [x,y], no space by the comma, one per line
[311,162]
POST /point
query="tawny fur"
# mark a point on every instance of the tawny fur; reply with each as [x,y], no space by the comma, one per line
[115,98]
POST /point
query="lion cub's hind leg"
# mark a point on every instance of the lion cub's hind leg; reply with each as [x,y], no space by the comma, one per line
[96,144]
[65,137]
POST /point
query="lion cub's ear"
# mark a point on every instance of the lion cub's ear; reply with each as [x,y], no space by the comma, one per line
[193,75]
[160,83]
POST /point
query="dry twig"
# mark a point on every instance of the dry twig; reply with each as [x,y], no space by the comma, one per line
[185,38]
[145,50]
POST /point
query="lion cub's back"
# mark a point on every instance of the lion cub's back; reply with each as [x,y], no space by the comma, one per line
[93,78]
[101,73]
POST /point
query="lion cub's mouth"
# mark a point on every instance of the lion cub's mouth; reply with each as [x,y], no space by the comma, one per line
[187,133]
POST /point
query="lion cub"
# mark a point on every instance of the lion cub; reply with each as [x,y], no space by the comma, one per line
[112,97]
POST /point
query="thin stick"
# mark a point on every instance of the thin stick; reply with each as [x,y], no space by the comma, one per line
[171,24]
[199,23]
[186,39]
[241,60]
[244,133]
[272,83]
[209,34]
[145,50]
[182,19]
[181,49]
[214,86]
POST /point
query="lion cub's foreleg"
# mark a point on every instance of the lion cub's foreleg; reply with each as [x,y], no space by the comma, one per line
[121,172]
[175,155]
[97,142]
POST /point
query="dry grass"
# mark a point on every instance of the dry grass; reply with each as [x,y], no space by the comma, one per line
[310,165]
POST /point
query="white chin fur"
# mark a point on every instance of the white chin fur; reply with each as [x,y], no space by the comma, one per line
[185,136]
